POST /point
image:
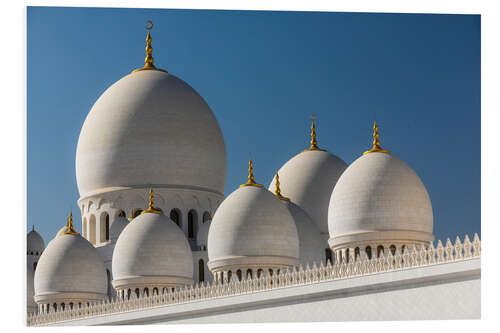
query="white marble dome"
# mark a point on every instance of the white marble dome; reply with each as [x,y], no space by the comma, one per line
[35,243]
[308,180]
[379,198]
[252,228]
[70,270]
[152,251]
[117,227]
[311,244]
[150,127]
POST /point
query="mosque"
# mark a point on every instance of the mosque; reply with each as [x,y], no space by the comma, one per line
[151,171]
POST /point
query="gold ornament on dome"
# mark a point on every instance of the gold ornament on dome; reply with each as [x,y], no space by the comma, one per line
[151,207]
[251,179]
[376,142]
[277,192]
[149,61]
[70,230]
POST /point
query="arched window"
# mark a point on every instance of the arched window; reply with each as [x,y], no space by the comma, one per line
[249,273]
[368,251]
[229,275]
[31,252]
[107,227]
[55,307]
[192,221]
[201,270]
[380,250]
[238,274]
[175,215]
[84,227]
[128,293]
[346,255]
[270,272]
[146,291]
[108,275]
[328,256]
[356,253]
[71,305]
[104,227]
[92,238]
[137,292]
[259,272]
[206,217]
[62,306]
[393,249]
[155,291]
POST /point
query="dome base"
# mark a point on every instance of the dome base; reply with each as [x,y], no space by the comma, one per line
[234,263]
[379,237]
[140,282]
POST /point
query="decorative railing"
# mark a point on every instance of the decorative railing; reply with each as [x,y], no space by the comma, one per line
[410,258]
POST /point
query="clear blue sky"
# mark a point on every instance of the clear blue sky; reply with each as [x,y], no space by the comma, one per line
[263,74]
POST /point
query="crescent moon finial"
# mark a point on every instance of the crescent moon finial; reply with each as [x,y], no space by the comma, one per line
[149,25]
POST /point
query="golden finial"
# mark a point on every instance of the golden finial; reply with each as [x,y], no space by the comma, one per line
[69,226]
[277,192]
[376,142]
[149,52]
[314,141]
[151,207]
[251,179]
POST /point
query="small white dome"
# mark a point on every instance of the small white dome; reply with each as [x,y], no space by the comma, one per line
[202,235]
[252,227]
[150,127]
[311,244]
[35,243]
[70,269]
[117,227]
[308,180]
[379,197]
[152,251]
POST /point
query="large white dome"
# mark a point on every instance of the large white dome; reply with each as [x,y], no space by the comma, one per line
[252,227]
[152,251]
[70,270]
[308,180]
[378,198]
[150,128]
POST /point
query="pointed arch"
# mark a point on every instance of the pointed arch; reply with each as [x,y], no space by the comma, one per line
[92,231]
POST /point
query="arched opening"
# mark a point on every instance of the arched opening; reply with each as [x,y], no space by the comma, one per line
[346,255]
[128,293]
[146,292]
[136,213]
[34,266]
[55,307]
[403,248]
[175,215]
[110,287]
[84,227]
[201,270]
[259,272]
[63,306]
[328,256]
[380,250]
[249,273]
[356,253]
[71,305]
[155,291]
[137,292]
[238,274]
[104,227]
[368,251]
[192,223]
[393,249]
[229,275]
[92,230]
[206,217]
[270,272]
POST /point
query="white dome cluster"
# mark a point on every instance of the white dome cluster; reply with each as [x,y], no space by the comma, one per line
[151,129]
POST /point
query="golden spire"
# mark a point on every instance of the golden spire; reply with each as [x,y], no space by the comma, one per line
[277,192]
[314,141]
[149,52]
[376,142]
[251,179]
[69,226]
[151,207]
